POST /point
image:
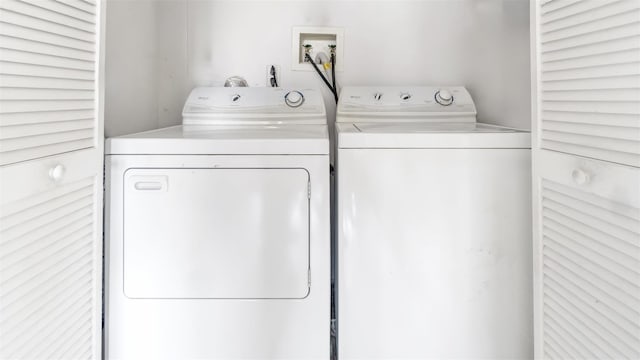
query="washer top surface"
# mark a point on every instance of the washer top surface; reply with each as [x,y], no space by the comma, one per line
[442,128]
[430,135]
[417,117]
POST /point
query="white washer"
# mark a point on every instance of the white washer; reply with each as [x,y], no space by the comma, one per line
[218,234]
[434,233]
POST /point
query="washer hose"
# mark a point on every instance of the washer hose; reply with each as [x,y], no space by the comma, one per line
[315,66]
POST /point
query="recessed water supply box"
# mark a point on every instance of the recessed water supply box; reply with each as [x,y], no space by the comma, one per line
[319,39]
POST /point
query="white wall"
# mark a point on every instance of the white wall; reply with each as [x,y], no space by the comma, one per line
[158,50]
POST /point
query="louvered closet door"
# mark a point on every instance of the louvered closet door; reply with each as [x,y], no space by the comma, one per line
[51,154]
[589,55]
[589,258]
[586,126]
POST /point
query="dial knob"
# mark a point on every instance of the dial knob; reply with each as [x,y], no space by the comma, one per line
[235,97]
[294,98]
[405,96]
[444,97]
[377,96]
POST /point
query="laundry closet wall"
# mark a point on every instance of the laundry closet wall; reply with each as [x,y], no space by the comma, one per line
[157,51]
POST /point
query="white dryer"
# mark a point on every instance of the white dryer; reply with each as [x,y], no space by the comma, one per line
[218,234]
[434,233]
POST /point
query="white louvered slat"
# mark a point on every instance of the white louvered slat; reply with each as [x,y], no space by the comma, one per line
[30,46]
[47,292]
[35,321]
[47,273]
[8,120]
[11,68]
[611,320]
[590,64]
[46,37]
[621,296]
[614,120]
[595,142]
[553,5]
[81,5]
[42,151]
[623,216]
[48,69]
[64,9]
[591,273]
[596,72]
[14,56]
[34,82]
[619,132]
[561,322]
[46,26]
[568,316]
[595,37]
[619,95]
[607,107]
[66,224]
[607,239]
[17,144]
[565,339]
[12,132]
[584,10]
[552,349]
[46,94]
[593,49]
[603,21]
[37,12]
[617,57]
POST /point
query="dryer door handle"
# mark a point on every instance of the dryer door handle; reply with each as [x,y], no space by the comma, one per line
[150,183]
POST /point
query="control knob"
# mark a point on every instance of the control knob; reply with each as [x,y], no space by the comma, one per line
[377,96]
[444,97]
[405,96]
[294,98]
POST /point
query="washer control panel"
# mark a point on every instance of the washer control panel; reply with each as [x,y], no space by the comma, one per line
[407,102]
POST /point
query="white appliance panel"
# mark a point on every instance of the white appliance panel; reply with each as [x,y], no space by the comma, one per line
[218,328]
[245,234]
[405,104]
[434,254]
[253,106]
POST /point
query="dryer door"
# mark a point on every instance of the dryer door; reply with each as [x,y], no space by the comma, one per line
[216,233]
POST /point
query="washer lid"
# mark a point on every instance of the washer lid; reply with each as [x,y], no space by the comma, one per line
[224,140]
[442,135]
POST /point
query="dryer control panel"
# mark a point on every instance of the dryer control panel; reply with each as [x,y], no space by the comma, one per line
[410,103]
[245,106]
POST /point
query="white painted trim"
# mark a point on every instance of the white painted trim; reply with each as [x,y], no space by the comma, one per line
[538,330]
[99,181]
